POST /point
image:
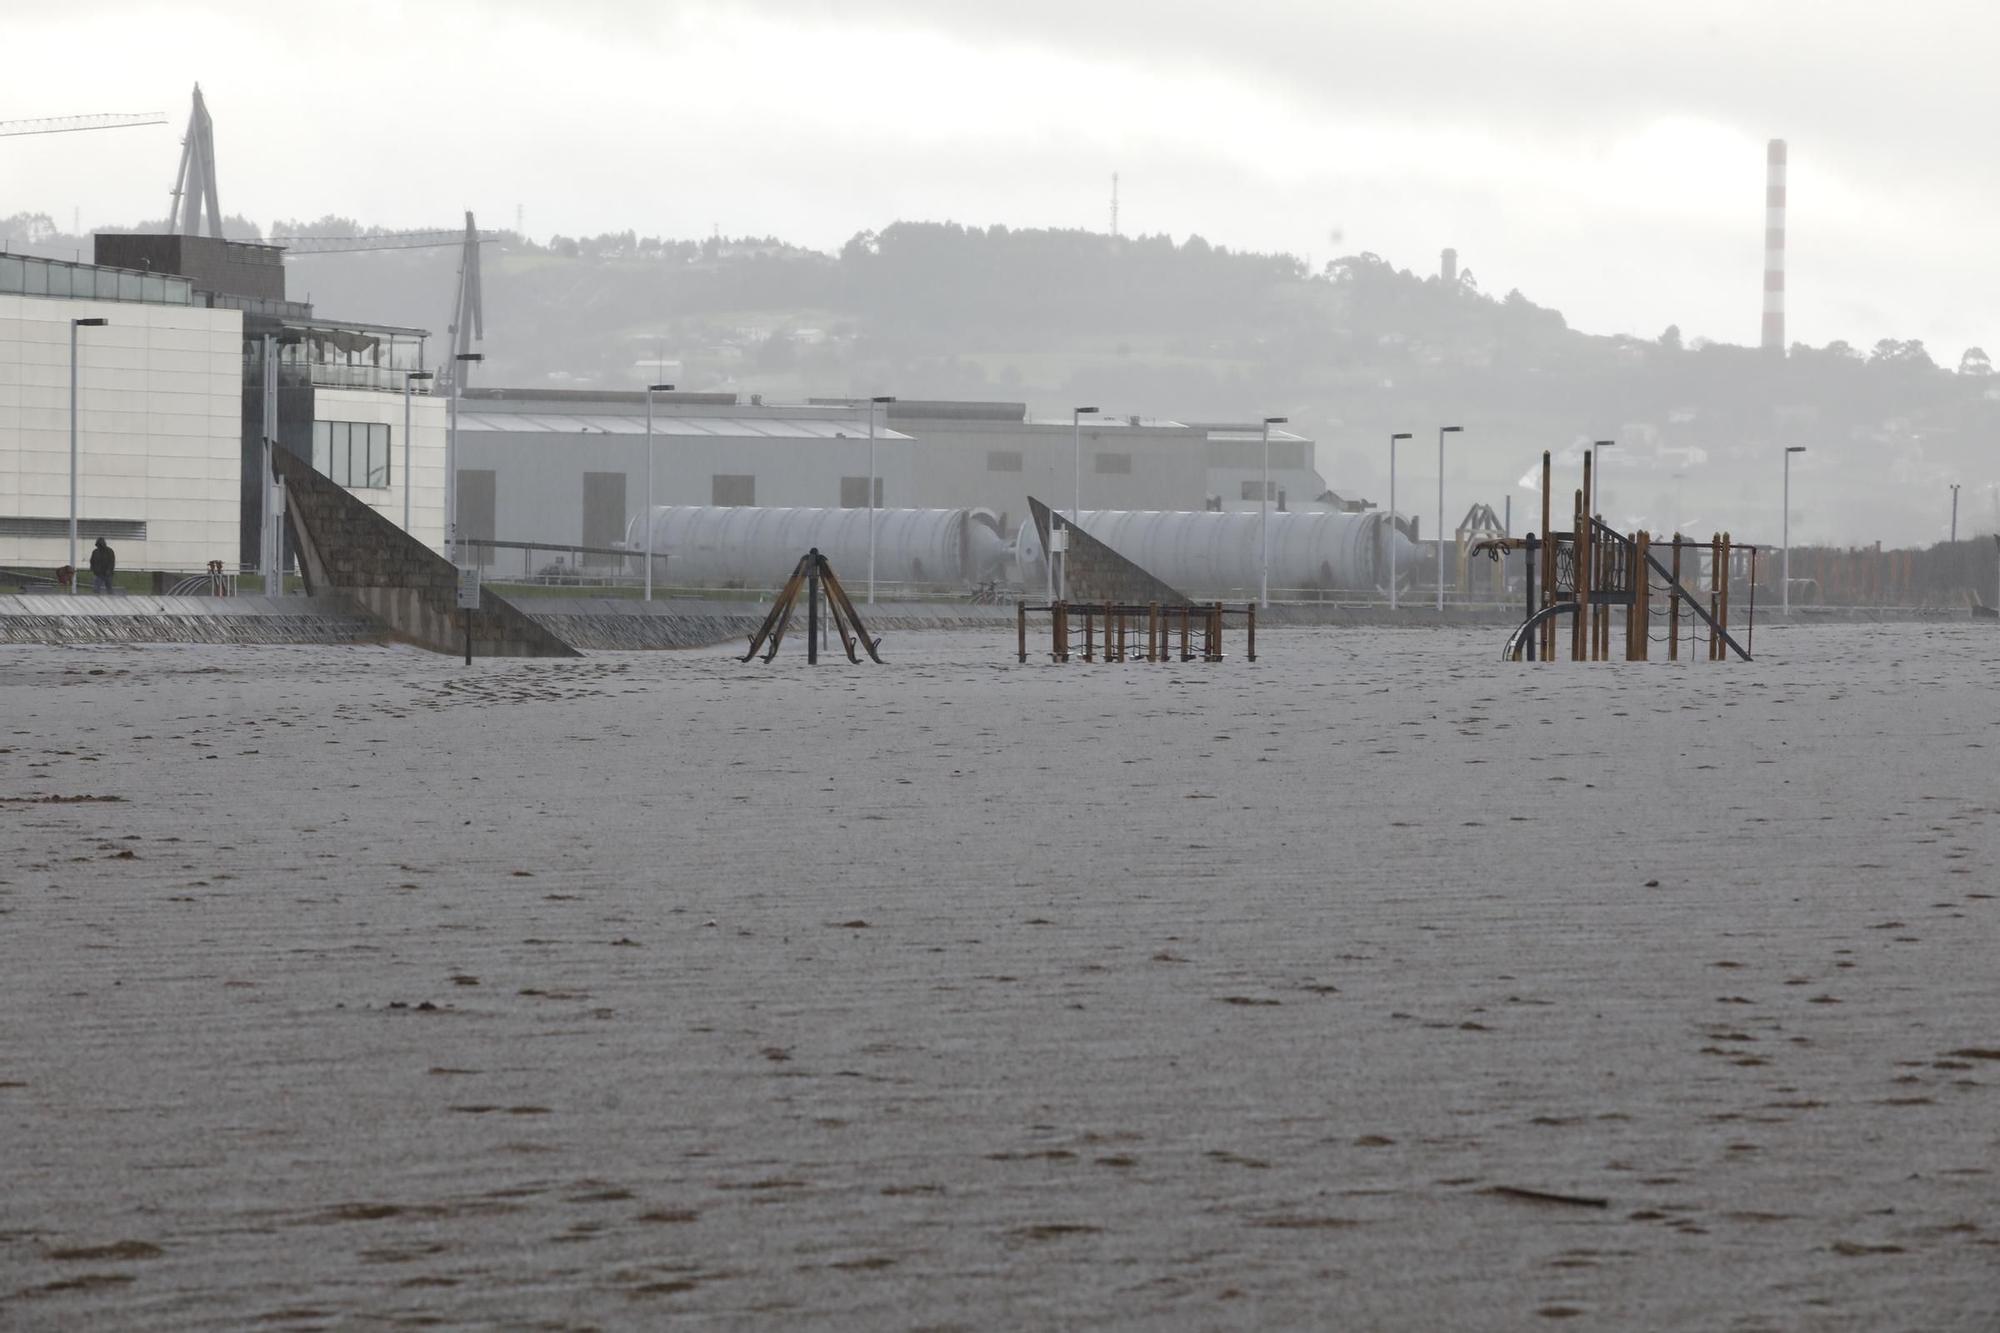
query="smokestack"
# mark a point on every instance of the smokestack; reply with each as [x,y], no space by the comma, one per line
[1448,267]
[1774,247]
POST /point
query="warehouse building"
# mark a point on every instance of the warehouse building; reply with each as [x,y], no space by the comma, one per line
[569,467]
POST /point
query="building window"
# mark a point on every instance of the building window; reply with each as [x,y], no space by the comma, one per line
[1108,464]
[1251,489]
[854,492]
[355,454]
[1003,460]
[724,489]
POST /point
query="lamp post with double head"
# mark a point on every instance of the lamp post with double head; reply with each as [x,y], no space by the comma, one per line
[1264,517]
[873,403]
[1597,473]
[1442,432]
[1076,416]
[451,460]
[409,377]
[74,325]
[1399,435]
[647,515]
[1785,568]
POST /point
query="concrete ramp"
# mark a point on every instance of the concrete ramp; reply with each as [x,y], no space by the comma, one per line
[1099,574]
[348,549]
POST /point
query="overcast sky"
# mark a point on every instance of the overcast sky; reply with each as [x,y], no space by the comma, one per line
[1605,158]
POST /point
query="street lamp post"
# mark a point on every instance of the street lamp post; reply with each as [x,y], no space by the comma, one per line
[1785,570]
[408,477]
[1400,435]
[1597,473]
[872,404]
[74,325]
[451,461]
[651,389]
[1954,513]
[1076,416]
[1264,517]
[1442,432]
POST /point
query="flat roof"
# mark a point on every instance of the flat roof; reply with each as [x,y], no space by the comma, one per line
[348,326]
[578,423]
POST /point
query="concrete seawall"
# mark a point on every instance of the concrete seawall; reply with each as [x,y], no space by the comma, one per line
[223,620]
[614,624]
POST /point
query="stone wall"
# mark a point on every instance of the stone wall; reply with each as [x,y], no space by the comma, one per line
[345,547]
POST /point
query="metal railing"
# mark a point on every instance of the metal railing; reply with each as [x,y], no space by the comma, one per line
[31,275]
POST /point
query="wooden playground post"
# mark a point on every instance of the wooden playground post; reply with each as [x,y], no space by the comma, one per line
[1751,646]
[1250,632]
[1580,621]
[1089,634]
[1154,649]
[1600,617]
[1635,610]
[1547,631]
[1185,613]
[1674,606]
[1021,623]
[1728,568]
[1719,581]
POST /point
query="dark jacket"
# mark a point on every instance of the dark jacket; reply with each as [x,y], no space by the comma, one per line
[103,561]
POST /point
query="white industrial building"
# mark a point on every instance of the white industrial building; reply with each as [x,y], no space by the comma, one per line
[159,418]
[568,468]
[170,405]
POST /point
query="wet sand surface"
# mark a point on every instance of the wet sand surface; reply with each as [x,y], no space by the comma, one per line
[1376,984]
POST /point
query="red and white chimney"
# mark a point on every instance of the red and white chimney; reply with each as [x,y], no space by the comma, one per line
[1774,246]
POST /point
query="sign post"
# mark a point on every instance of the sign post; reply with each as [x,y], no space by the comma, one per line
[468,602]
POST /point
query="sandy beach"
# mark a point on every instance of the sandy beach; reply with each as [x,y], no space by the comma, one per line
[1376,984]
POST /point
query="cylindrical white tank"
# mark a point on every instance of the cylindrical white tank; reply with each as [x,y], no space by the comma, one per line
[740,546]
[1209,552]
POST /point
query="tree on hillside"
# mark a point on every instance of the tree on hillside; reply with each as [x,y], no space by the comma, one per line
[1890,352]
[1974,362]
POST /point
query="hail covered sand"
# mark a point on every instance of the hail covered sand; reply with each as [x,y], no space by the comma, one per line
[1376,984]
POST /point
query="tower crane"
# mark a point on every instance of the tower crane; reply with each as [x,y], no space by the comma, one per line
[65,124]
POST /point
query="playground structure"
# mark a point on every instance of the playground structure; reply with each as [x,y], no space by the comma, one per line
[812,571]
[1586,572]
[1200,627]
[1480,525]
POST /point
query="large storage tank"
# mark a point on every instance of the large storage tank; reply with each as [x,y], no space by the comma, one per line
[1206,552]
[740,546]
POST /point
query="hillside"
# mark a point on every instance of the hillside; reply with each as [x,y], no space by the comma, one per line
[1143,325]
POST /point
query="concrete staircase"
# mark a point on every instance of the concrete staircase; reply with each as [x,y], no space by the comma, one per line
[348,549]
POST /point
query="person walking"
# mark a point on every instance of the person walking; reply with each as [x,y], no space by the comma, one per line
[103,564]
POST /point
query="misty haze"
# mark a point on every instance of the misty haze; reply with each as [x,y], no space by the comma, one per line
[880,665]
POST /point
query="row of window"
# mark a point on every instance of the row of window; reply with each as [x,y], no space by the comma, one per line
[353,453]
[353,446]
[1106,465]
